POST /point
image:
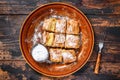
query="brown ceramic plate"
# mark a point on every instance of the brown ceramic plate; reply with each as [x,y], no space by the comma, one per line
[33,20]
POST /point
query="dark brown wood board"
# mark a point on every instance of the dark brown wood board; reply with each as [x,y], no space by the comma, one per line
[104,15]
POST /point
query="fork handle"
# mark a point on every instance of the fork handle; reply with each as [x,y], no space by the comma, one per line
[96,71]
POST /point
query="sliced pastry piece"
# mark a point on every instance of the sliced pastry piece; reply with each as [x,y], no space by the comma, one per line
[48,38]
[72,27]
[60,26]
[49,24]
[59,40]
[44,37]
[72,41]
[55,55]
[68,56]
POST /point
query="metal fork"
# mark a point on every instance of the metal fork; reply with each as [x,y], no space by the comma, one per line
[102,38]
[100,45]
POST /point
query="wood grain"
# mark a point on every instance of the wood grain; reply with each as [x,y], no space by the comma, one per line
[11,24]
[87,6]
[104,16]
[20,70]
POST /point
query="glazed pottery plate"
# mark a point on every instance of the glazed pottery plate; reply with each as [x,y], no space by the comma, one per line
[58,9]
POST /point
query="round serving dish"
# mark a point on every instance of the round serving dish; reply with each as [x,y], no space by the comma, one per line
[33,20]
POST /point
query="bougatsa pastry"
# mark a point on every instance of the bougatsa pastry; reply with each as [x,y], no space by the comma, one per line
[68,56]
[72,27]
[44,37]
[60,26]
[48,38]
[72,41]
[55,55]
[61,37]
[49,24]
[59,40]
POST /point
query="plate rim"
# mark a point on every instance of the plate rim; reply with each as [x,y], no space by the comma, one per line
[32,12]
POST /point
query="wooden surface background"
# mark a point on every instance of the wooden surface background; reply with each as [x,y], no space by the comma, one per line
[104,16]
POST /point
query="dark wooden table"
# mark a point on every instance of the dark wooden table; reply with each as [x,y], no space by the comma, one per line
[104,16]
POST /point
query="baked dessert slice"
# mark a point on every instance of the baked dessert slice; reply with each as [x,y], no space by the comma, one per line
[72,27]
[44,37]
[60,26]
[68,56]
[59,40]
[49,24]
[48,38]
[72,41]
[55,55]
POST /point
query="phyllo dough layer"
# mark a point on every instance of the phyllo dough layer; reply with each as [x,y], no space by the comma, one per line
[49,24]
[72,41]
[72,27]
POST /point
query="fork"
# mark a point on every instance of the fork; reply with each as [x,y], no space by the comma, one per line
[100,45]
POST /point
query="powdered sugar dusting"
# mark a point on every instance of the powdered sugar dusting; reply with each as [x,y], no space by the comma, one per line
[60,25]
[67,55]
[59,38]
[71,40]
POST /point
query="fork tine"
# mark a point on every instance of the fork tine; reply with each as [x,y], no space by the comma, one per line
[100,45]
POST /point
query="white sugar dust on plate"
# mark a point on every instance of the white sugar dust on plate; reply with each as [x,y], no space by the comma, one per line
[40,53]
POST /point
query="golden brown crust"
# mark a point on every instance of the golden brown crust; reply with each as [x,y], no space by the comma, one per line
[62,55]
[72,27]
[59,40]
[49,24]
[60,33]
[60,26]
[55,55]
[72,41]
[68,56]
[48,38]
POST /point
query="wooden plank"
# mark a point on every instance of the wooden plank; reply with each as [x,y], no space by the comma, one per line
[104,16]
[15,21]
[10,21]
[87,6]
[19,70]
[107,34]
[11,24]
[110,53]
[104,20]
